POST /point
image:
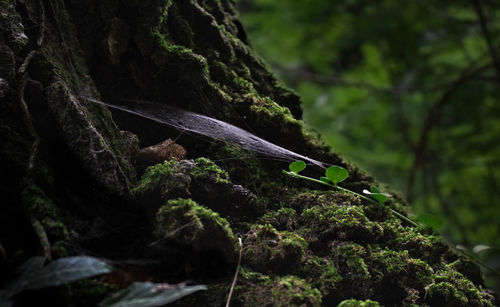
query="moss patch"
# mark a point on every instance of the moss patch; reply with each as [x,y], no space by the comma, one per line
[282,219]
[267,249]
[451,288]
[358,303]
[206,169]
[45,217]
[191,225]
[284,291]
[164,178]
[324,223]
[322,274]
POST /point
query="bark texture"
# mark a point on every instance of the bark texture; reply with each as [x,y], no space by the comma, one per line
[71,183]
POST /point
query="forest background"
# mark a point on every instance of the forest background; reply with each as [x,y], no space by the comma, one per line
[408,92]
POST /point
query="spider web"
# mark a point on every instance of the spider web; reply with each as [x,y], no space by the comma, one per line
[209,127]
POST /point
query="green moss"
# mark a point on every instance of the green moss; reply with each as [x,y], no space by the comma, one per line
[310,198]
[430,248]
[189,224]
[293,291]
[206,169]
[321,273]
[277,251]
[342,222]
[163,53]
[43,210]
[446,294]
[228,80]
[451,288]
[153,177]
[282,219]
[243,166]
[358,303]
[350,256]
[398,268]
[164,177]
[271,108]
[254,277]
[284,291]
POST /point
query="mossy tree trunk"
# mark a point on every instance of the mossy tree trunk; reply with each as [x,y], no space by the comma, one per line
[71,183]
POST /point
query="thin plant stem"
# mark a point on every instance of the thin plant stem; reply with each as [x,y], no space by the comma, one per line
[235,274]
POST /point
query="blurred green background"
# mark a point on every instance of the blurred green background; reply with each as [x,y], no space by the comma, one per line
[407,90]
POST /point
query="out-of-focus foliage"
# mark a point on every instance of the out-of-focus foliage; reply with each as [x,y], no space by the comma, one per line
[409,91]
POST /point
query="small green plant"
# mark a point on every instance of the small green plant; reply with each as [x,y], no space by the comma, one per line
[336,174]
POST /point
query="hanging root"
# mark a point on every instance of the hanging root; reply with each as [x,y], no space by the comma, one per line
[235,274]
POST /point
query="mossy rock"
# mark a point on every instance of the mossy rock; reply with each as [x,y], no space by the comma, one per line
[267,249]
[322,274]
[323,223]
[358,303]
[284,291]
[165,179]
[196,227]
[282,219]
[451,288]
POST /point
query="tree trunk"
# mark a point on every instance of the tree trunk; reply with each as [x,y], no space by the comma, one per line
[73,181]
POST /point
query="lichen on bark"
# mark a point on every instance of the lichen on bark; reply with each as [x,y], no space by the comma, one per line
[73,185]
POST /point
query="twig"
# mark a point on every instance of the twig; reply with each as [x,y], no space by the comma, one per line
[235,274]
[303,73]
[42,237]
[297,74]
[23,79]
[486,33]
[431,120]
[41,33]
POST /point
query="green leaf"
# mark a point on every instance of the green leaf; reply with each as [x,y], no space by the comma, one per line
[336,174]
[146,294]
[33,275]
[375,193]
[381,198]
[324,179]
[374,189]
[433,221]
[297,166]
